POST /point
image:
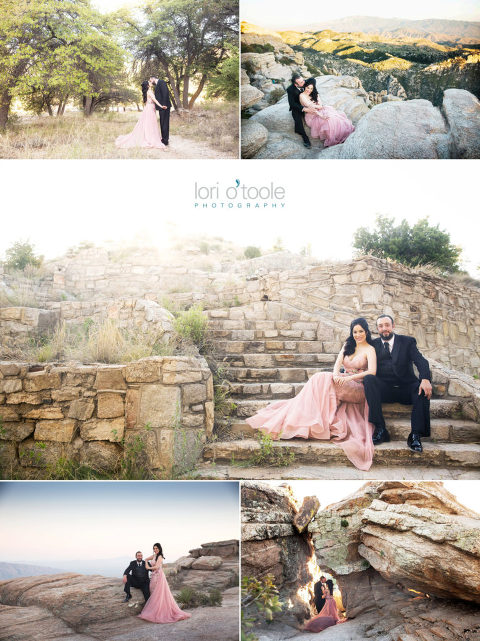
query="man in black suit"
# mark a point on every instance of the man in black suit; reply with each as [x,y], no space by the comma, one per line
[136,576]
[396,382]
[163,96]
[317,589]
[293,93]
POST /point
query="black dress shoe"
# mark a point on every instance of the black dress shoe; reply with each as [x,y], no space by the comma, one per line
[308,145]
[380,435]
[414,442]
[127,598]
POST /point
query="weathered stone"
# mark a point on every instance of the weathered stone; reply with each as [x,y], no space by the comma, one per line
[145,371]
[254,136]
[159,406]
[48,412]
[31,398]
[103,430]
[37,381]
[100,455]
[10,385]
[132,403]
[110,379]
[9,369]
[153,448]
[207,563]
[110,405]
[59,431]
[462,111]
[33,453]
[306,513]
[196,393]
[209,417]
[66,394]
[81,409]
[17,431]
[8,413]
[249,96]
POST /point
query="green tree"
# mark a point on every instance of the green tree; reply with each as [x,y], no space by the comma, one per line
[184,41]
[53,49]
[421,244]
[224,84]
[252,252]
[21,254]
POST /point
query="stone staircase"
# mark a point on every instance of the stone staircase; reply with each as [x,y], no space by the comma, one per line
[267,351]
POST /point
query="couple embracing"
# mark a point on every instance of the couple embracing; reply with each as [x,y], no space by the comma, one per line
[146,132]
[347,405]
[160,606]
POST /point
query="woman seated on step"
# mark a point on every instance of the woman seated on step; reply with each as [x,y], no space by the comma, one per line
[331,404]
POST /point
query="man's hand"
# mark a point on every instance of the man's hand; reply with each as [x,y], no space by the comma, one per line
[124,578]
[426,386]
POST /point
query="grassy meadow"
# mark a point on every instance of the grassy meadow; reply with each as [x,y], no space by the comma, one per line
[210,130]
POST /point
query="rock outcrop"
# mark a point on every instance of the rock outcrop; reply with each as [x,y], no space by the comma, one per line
[83,608]
[406,557]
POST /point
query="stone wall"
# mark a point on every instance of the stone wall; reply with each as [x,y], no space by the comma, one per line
[95,414]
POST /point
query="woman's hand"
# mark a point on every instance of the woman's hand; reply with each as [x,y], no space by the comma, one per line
[339,380]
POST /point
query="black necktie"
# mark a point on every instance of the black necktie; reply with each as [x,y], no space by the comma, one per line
[386,347]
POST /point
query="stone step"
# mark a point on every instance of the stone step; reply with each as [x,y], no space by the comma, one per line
[264,325]
[273,374]
[409,471]
[269,346]
[264,333]
[269,361]
[320,453]
[443,430]
[439,407]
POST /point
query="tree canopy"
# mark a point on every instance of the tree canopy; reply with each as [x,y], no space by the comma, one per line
[420,244]
[20,255]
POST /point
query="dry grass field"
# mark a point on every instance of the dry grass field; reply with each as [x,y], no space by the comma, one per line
[208,131]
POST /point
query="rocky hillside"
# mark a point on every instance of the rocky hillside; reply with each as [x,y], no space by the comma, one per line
[405,556]
[84,608]
[14,570]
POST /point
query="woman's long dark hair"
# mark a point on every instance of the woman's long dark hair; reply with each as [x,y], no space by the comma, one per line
[160,553]
[145,85]
[314,94]
[350,343]
[329,583]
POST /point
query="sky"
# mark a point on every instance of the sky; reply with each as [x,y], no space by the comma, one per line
[66,202]
[329,492]
[47,522]
[275,14]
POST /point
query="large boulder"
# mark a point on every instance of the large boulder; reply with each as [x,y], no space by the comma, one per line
[249,96]
[396,129]
[462,112]
[254,136]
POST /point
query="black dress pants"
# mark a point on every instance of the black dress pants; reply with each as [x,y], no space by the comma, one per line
[378,391]
[133,582]
[299,128]
[165,124]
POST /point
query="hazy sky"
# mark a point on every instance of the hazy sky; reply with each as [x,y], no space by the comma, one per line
[52,521]
[328,492]
[274,13]
[67,202]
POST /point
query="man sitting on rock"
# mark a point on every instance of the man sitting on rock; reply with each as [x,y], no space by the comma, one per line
[293,92]
[396,382]
[136,576]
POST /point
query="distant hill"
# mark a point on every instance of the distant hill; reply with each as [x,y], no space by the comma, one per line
[457,31]
[16,570]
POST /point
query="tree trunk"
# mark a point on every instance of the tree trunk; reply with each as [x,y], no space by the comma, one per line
[138,107]
[61,106]
[49,108]
[186,83]
[5,102]
[87,105]
[198,91]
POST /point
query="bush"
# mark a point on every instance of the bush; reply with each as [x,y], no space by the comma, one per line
[252,252]
[19,255]
[192,325]
[275,95]
[190,598]
[258,48]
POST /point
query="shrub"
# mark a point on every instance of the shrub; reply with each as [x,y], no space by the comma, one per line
[192,325]
[19,255]
[252,252]
[258,48]
[275,95]
[190,598]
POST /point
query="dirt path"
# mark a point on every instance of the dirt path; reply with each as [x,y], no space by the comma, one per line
[185,148]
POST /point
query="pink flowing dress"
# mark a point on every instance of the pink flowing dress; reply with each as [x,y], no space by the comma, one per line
[317,413]
[327,616]
[328,124]
[161,606]
[146,132]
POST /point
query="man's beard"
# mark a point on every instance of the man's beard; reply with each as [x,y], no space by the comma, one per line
[387,337]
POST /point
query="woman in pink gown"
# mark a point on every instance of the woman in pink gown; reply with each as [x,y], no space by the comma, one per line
[327,616]
[161,606]
[326,123]
[146,132]
[331,405]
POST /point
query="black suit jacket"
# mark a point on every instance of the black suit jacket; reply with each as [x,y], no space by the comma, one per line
[133,570]
[405,354]
[162,95]
[293,94]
